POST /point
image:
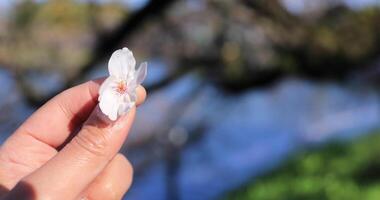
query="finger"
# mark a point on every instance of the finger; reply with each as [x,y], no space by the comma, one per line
[62,115]
[113,182]
[82,160]
[48,128]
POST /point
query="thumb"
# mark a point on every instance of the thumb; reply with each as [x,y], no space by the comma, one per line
[81,160]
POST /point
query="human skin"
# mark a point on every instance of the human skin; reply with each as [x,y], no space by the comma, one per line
[68,150]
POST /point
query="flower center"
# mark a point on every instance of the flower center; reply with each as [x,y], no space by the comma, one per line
[121,87]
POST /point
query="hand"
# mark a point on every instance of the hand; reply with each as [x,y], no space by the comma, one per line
[68,150]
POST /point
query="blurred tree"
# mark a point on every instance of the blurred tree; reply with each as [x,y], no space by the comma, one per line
[44,35]
[235,44]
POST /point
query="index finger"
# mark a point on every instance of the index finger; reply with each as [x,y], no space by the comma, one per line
[59,117]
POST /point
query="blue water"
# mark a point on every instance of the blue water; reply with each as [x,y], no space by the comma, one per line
[12,107]
[250,133]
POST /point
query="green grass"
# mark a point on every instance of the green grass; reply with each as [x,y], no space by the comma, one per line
[341,171]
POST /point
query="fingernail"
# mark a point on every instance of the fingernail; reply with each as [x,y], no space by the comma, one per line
[100,120]
[122,120]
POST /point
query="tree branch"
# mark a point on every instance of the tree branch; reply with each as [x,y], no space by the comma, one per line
[107,43]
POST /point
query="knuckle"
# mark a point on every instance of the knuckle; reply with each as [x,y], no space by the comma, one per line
[93,140]
[109,192]
[111,187]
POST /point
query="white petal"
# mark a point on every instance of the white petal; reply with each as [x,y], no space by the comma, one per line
[131,91]
[121,63]
[109,103]
[141,73]
[124,108]
[133,96]
[126,104]
[108,83]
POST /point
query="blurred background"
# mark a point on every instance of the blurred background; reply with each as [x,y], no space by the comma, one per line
[248,99]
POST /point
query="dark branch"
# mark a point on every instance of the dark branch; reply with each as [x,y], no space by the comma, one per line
[107,43]
[272,9]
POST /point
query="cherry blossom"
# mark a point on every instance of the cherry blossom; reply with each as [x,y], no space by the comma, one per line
[117,94]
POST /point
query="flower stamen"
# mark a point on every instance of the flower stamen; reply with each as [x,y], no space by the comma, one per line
[121,87]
